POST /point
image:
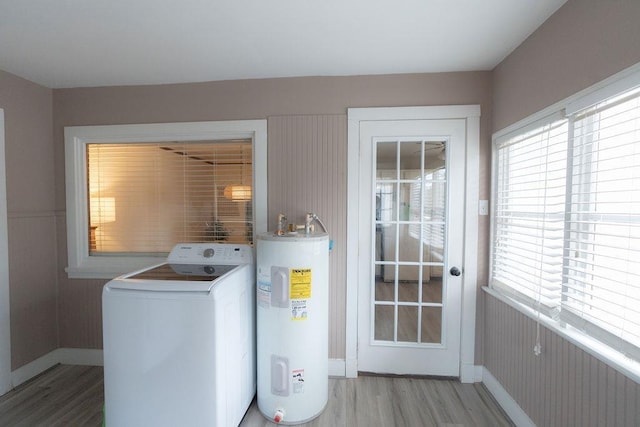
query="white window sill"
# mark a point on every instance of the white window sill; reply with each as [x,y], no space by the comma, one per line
[602,352]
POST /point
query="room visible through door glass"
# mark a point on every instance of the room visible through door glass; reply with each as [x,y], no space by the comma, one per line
[410,188]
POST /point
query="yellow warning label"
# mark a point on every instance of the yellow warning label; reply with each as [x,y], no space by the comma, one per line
[300,283]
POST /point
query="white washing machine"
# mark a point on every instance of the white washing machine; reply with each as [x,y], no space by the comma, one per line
[179,339]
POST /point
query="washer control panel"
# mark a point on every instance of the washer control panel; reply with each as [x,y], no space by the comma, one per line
[211,253]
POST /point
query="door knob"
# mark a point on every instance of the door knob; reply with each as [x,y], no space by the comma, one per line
[455,271]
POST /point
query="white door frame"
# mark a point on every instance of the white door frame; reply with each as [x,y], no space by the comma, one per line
[469,282]
[5,330]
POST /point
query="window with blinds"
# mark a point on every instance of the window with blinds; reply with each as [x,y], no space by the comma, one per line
[529,213]
[566,220]
[601,292]
[146,197]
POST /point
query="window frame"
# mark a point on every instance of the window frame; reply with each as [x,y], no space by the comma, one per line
[585,338]
[83,265]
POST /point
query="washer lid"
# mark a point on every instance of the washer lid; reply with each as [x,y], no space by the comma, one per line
[173,277]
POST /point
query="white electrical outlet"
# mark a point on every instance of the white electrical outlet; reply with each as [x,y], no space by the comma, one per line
[483,207]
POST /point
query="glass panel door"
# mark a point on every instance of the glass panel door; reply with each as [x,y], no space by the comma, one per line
[412,237]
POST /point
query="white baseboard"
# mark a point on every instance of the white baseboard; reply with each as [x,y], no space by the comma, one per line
[80,356]
[65,356]
[478,373]
[351,368]
[470,374]
[506,402]
[31,369]
[336,368]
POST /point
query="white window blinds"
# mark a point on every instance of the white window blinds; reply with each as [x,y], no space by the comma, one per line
[146,197]
[529,213]
[430,189]
[601,294]
[566,227]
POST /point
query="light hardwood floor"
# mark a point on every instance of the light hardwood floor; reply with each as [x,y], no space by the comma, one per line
[73,396]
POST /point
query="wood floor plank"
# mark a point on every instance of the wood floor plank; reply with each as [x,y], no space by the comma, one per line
[49,397]
[74,396]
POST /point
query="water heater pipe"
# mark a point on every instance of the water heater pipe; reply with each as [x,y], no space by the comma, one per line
[310,218]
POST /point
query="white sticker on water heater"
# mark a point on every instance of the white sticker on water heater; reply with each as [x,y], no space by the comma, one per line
[299,310]
[297,376]
[263,294]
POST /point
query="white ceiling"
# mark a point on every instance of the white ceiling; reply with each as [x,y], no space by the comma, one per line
[78,43]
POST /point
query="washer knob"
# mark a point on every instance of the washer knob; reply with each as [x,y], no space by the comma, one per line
[208,253]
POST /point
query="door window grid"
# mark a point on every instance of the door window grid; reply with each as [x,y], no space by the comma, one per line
[405,214]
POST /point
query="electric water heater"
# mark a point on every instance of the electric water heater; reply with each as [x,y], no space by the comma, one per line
[292,325]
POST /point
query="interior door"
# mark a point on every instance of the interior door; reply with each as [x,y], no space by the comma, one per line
[410,256]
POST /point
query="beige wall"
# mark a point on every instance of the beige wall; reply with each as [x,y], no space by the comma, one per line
[31,217]
[583,42]
[324,100]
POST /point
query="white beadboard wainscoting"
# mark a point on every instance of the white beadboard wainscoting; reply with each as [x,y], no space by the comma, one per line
[564,386]
[307,162]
